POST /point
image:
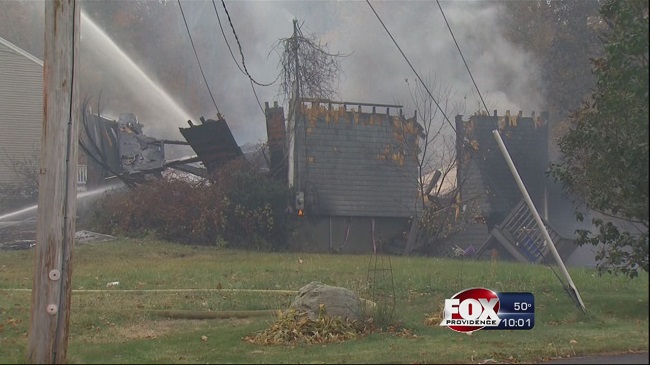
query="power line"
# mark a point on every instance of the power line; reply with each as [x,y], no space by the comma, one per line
[226,39]
[463,57]
[235,60]
[197,58]
[412,68]
[240,49]
[464,142]
[490,182]
[256,98]
[487,111]
[442,111]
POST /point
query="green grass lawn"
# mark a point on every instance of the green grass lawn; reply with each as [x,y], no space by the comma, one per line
[114,326]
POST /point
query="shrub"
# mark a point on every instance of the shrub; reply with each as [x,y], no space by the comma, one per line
[254,208]
[237,205]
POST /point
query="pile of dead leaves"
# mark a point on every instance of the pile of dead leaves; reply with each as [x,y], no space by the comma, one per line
[434,319]
[293,327]
[399,331]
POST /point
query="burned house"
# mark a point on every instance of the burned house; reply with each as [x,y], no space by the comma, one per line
[120,149]
[354,171]
[213,143]
[496,219]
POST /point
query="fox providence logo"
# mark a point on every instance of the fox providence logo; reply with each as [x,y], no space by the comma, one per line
[471,310]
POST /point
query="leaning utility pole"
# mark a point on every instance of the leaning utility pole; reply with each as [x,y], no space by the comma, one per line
[538,220]
[55,222]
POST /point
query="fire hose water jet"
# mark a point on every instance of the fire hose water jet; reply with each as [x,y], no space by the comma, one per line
[134,87]
[82,195]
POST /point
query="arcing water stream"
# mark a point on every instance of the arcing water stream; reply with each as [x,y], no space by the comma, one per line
[85,194]
[125,87]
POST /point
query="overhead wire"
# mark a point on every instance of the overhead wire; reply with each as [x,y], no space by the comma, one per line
[226,39]
[438,105]
[548,264]
[243,61]
[197,58]
[243,71]
[223,33]
[426,88]
[486,110]
[463,57]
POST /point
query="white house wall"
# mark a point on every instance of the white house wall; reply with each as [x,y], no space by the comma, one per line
[21,107]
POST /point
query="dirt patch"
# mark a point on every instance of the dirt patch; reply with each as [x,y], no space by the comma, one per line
[145,330]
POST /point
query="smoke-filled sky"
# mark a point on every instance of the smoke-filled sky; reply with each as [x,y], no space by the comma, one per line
[374,71]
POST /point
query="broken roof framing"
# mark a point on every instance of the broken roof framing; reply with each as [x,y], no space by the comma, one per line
[213,143]
[120,149]
[489,190]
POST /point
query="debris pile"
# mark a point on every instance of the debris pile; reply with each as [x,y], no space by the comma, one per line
[293,327]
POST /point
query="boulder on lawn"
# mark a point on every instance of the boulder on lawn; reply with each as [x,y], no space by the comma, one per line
[338,302]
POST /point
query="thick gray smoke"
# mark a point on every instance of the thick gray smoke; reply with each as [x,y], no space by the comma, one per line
[373,72]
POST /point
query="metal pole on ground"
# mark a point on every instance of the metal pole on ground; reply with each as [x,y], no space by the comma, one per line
[538,219]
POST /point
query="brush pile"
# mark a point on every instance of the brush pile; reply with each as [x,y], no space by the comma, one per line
[293,327]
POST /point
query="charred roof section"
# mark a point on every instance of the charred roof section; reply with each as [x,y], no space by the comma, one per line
[138,153]
[119,148]
[213,142]
[482,172]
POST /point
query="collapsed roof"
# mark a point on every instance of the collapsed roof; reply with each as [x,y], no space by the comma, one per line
[123,150]
[213,143]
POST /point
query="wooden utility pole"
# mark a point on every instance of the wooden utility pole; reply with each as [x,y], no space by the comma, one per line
[292,123]
[55,221]
[297,104]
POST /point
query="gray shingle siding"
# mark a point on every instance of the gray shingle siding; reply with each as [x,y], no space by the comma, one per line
[356,164]
[482,170]
[21,107]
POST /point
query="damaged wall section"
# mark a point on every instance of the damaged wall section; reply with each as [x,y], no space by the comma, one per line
[482,171]
[486,184]
[355,166]
[355,163]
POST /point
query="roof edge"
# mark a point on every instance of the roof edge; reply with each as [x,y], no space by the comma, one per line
[21,51]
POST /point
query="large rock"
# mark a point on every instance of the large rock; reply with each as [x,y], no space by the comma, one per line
[339,302]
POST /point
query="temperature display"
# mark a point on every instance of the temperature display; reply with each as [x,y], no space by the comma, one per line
[516,311]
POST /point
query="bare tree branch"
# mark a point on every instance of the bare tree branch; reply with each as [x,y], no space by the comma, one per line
[318,70]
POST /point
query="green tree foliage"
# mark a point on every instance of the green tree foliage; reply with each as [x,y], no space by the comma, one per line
[605,153]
